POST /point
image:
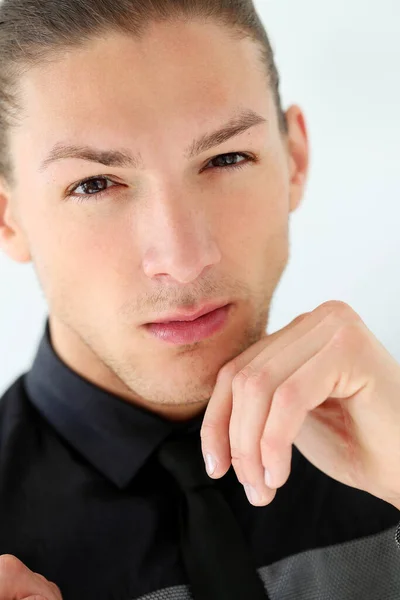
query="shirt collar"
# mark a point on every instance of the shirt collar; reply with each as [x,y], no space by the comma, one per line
[115,436]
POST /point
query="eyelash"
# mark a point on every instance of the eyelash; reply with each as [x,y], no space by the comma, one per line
[83,197]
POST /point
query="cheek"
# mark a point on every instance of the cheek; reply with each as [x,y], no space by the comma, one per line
[257,217]
[257,230]
[80,257]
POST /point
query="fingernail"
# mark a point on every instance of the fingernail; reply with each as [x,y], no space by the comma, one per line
[251,493]
[268,479]
[210,463]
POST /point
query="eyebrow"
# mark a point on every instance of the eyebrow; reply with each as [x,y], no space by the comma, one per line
[123,158]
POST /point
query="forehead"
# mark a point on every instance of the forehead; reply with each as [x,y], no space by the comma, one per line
[186,74]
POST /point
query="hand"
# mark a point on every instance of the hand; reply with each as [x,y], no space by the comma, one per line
[323,383]
[17,582]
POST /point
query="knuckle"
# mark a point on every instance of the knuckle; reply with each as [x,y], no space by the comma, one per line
[259,381]
[240,379]
[270,445]
[235,461]
[56,589]
[50,584]
[209,430]
[253,382]
[228,371]
[286,394]
[341,310]
[348,335]
[209,426]
[335,305]
[240,454]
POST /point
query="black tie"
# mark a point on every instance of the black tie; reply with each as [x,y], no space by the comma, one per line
[214,550]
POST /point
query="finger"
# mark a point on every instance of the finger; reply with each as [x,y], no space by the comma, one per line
[309,387]
[52,585]
[215,426]
[253,392]
[18,581]
[249,413]
[41,597]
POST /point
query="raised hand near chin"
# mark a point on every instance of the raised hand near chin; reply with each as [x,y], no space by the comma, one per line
[324,383]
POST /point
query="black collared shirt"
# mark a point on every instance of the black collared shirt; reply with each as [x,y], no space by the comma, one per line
[84,502]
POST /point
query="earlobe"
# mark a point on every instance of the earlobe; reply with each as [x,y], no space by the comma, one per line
[12,238]
[296,196]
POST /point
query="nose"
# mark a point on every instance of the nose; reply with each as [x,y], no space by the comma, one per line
[178,241]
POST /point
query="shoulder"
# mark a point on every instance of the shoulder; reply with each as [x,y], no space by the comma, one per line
[15,411]
[13,395]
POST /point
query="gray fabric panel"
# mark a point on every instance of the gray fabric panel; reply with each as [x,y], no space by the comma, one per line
[178,592]
[364,569]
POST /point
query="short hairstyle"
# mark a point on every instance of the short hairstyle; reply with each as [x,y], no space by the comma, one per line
[35,31]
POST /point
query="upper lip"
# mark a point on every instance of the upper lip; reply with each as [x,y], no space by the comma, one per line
[190,315]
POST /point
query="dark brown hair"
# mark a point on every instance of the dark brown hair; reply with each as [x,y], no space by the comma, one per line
[35,31]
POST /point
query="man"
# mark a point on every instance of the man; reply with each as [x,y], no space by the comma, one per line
[159,283]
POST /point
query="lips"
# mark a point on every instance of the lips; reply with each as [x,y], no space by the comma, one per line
[187,315]
[192,331]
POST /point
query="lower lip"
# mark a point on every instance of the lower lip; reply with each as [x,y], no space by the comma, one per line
[188,332]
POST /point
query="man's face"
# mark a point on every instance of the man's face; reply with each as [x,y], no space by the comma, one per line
[169,233]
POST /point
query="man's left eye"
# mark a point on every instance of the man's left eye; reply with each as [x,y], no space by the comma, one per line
[229,160]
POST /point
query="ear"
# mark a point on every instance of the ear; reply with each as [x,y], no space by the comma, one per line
[298,155]
[12,238]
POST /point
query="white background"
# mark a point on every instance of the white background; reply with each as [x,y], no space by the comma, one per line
[340,62]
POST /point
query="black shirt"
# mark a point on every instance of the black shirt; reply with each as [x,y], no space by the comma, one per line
[84,502]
